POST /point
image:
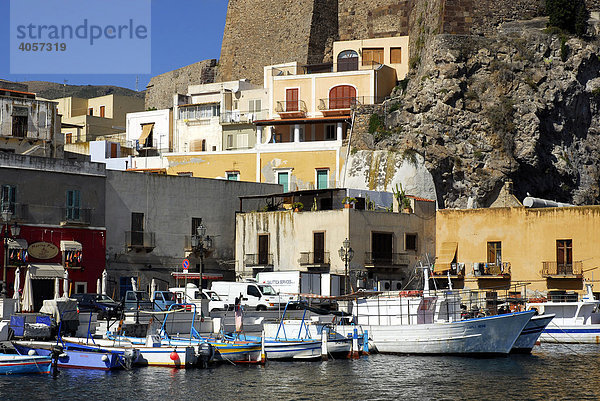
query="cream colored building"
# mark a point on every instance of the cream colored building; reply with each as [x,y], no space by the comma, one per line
[513,248]
[386,245]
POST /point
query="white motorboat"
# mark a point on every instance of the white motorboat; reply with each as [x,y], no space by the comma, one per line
[531,333]
[575,321]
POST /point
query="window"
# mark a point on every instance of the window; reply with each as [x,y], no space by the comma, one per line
[291,99]
[283,178]
[322,178]
[8,198]
[342,97]
[137,228]
[564,256]
[372,56]
[69,137]
[253,291]
[395,55]
[233,175]
[242,140]
[196,112]
[80,287]
[19,121]
[263,249]
[204,145]
[113,150]
[230,141]
[330,134]
[381,246]
[347,61]
[319,247]
[91,111]
[494,252]
[410,242]
[254,106]
[73,205]
[102,111]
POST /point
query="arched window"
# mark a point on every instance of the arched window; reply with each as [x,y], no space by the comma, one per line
[347,61]
[342,97]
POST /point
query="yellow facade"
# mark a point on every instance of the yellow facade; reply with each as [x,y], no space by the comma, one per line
[532,241]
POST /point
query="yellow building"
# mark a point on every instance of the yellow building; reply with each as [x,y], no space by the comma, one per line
[552,248]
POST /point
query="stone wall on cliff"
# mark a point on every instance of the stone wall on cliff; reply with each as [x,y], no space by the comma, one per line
[160,90]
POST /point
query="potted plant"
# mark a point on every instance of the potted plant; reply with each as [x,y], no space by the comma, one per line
[402,199]
[297,206]
[349,202]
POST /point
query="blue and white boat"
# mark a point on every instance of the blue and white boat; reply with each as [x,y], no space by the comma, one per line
[575,321]
[530,334]
[22,364]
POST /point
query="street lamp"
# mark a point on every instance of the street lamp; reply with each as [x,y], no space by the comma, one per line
[6,216]
[346,254]
[200,243]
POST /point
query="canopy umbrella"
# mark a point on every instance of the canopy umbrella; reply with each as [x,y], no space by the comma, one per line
[152,289]
[56,288]
[98,286]
[16,289]
[66,284]
[27,304]
[104,281]
[133,284]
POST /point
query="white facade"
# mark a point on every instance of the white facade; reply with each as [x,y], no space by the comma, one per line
[160,130]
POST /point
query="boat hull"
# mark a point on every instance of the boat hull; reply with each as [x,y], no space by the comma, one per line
[530,334]
[74,358]
[186,356]
[494,335]
[24,364]
[292,350]
[571,334]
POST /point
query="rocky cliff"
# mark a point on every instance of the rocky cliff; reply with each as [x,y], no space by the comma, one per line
[521,105]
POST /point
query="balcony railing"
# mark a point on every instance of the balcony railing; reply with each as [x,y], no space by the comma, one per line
[314,258]
[140,240]
[385,259]
[76,215]
[340,103]
[294,106]
[19,211]
[258,259]
[242,117]
[567,270]
[492,270]
[456,270]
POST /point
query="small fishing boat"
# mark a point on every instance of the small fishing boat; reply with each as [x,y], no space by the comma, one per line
[22,364]
[530,334]
[577,320]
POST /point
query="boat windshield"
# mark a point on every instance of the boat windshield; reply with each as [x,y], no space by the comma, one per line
[267,289]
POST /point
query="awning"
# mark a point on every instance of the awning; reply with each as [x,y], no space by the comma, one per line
[196,276]
[146,130]
[17,243]
[446,254]
[70,246]
[46,270]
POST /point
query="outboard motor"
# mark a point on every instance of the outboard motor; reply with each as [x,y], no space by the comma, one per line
[129,357]
[205,353]
[57,352]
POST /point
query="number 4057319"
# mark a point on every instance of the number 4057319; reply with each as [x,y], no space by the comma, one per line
[42,47]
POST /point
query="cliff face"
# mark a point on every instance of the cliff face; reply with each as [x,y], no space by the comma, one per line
[522,105]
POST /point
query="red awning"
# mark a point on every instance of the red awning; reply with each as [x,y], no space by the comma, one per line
[196,276]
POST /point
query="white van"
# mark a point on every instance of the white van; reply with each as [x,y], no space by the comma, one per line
[254,296]
[191,294]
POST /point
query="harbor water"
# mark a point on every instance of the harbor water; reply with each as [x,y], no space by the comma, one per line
[551,372]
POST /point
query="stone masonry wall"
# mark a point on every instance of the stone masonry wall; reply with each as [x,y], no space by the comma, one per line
[160,90]
[362,19]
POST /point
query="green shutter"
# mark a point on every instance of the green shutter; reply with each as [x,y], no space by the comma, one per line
[283,179]
[322,179]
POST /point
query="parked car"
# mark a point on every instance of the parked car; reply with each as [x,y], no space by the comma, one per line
[191,294]
[254,296]
[137,300]
[163,300]
[104,305]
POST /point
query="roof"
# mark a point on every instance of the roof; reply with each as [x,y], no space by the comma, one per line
[288,121]
[13,91]
[420,199]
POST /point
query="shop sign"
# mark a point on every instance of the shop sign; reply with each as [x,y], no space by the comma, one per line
[42,250]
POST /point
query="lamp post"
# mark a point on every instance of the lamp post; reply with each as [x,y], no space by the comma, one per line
[6,216]
[200,243]
[346,254]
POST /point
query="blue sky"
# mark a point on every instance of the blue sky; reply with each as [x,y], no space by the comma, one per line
[183,32]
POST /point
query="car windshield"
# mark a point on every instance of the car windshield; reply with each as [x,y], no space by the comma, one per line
[267,290]
[214,296]
[169,296]
[104,298]
[142,296]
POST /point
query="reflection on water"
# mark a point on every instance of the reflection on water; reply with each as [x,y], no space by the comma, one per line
[552,372]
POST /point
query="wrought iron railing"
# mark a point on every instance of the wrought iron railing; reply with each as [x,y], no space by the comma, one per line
[492,269]
[314,258]
[140,239]
[386,259]
[455,269]
[240,117]
[258,259]
[550,269]
[340,103]
[293,106]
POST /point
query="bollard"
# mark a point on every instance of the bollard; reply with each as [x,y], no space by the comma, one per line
[324,352]
[354,353]
[365,348]
[263,354]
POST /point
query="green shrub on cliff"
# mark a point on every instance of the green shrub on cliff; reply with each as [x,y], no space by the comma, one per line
[570,15]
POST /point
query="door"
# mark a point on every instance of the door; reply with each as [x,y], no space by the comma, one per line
[322,178]
[342,97]
[291,99]
[283,178]
[253,295]
[137,228]
[263,249]
[347,61]
[564,256]
[381,246]
[319,247]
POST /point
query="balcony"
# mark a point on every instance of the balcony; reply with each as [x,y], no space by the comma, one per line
[258,259]
[492,270]
[19,211]
[140,240]
[562,270]
[291,109]
[389,260]
[75,216]
[242,117]
[457,270]
[314,259]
